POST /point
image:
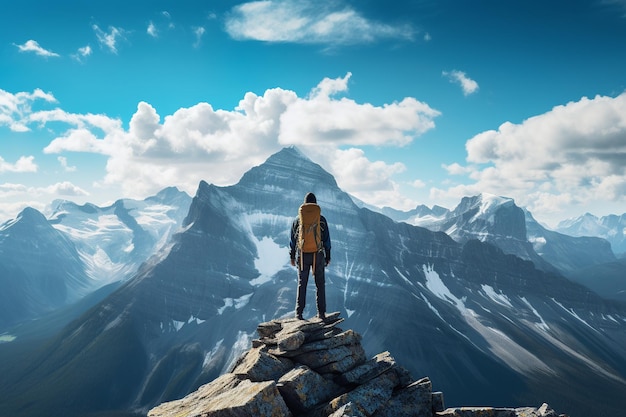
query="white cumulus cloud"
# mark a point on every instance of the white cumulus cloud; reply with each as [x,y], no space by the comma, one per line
[34,47]
[468,85]
[65,188]
[23,164]
[203,143]
[575,154]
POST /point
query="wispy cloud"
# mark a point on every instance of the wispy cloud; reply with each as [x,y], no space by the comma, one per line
[306,21]
[109,39]
[152,30]
[34,47]
[618,3]
[168,17]
[63,161]
[468,85]
[60,188]
[15,109]
[198,32]
[82,53]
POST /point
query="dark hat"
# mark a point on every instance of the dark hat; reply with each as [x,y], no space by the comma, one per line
[310,198]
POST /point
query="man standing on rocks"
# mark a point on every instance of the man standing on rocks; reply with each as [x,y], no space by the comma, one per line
[310,247]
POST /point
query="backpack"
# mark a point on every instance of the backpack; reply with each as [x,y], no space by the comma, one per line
[309,233]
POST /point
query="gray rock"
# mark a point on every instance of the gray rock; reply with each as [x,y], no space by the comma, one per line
[349,337]
[311,368]
[477,412]
[369,396]
[349,410]
[303,388]
[370,369]
[414,400]
[245,399]
[338,359]
[438,402]
[543,411]
[258,365]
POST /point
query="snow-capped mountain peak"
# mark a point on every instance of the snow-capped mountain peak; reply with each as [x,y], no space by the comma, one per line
[114,240]
[611,228]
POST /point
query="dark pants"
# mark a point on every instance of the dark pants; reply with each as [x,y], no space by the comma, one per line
[304,265]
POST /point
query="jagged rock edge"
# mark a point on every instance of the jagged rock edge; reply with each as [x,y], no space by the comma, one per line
[312,368]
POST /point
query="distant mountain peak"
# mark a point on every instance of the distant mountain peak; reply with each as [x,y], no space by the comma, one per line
[28,217]
[294,149]
[31,214]
[286,168]
[488,200]
[167,194]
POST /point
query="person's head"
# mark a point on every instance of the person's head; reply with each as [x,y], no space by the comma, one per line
[310,198]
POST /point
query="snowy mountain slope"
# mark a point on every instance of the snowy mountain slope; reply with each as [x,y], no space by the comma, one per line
[499,221]
[568,253]
[417,215]
[113,241]
[611,228]
[485,326]
[46,264]
[40,269]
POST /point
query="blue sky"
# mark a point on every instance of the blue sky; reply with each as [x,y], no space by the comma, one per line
[405,102]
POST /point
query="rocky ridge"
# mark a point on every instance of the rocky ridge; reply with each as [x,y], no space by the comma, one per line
[312,368]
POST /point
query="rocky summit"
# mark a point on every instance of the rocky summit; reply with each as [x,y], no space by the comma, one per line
[313,368]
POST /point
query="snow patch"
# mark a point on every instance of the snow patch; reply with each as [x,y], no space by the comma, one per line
[213,353]
[511,353]
[573,313]
[101,268]
[542,325]
[505,348]
[404,277]
[499,298]
[432,307]
[439,289]
[424,221]
[242,343]
[271,260]
[196,320]
[489,204]
[155,215]
[237,303]
[114,323]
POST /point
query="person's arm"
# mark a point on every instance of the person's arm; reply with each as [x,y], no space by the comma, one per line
[292,242]
[325,238]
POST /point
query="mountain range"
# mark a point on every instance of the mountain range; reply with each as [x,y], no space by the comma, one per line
[582,254]
[478,301]
[612,228]
[51,262]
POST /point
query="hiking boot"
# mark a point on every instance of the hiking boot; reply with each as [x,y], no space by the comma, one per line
[299,317]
